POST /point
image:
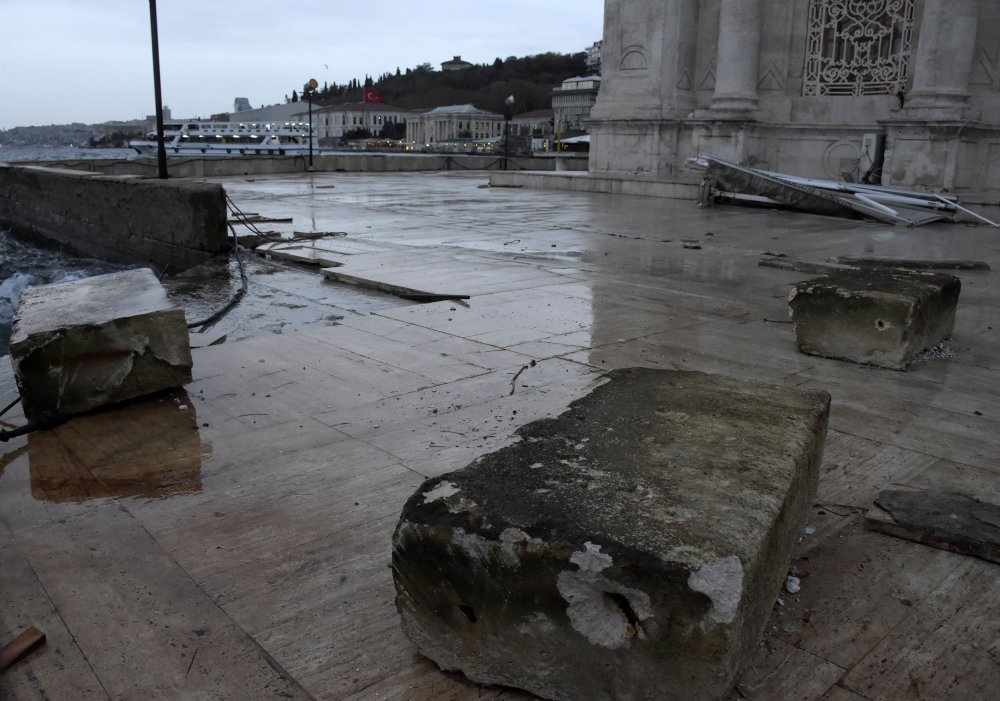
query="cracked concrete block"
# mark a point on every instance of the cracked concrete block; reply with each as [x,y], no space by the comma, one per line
[630,548]
[874,317]
[80,345]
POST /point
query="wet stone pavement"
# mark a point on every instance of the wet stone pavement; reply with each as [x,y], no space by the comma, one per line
[231,539]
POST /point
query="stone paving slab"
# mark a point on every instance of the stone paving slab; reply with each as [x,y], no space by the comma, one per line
[888,608]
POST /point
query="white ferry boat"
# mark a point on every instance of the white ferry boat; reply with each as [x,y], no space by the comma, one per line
[228,139]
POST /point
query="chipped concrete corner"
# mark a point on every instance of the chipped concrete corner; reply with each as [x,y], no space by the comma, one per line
[640,565]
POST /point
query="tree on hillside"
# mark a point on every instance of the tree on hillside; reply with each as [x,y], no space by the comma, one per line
[530,79]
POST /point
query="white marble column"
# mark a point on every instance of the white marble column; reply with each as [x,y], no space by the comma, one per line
[945,51]
[738,56]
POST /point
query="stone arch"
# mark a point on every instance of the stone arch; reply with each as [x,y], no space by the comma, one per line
[634,58]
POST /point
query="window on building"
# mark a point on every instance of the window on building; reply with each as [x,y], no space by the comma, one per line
[858,47]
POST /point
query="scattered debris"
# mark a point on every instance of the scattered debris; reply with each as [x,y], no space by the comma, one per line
[20,646]
[259,219]
[424,297]
[801,266]
[954,522]
[941,351]
[513,382]
[724,181]
[912,263]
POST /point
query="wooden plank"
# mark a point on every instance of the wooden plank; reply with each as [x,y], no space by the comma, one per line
[954,522]
[61,671]
[20,646]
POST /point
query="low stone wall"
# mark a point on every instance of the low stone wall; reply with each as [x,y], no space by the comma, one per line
[168,225]
[358,162]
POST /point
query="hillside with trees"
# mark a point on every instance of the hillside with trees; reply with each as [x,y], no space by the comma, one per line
[529,79]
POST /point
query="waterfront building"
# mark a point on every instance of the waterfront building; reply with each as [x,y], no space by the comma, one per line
[241,104]
[335,121]
[902,91]
[573,101]
[427,130]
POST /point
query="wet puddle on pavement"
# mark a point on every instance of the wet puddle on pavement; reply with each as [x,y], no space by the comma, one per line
[147,449]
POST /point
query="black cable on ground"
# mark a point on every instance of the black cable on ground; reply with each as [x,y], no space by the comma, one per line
[241,215]
[9,406]
[30,427]
[237,296]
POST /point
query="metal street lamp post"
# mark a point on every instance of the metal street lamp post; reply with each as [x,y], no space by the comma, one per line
[508,107]
[308,89]
[161,150]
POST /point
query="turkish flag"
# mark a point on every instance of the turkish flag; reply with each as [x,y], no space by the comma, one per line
[373,95]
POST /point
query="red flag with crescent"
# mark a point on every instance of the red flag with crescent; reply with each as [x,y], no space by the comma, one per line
[373,95]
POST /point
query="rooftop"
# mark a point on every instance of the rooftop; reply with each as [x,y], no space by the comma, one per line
[232,540]
[459,109]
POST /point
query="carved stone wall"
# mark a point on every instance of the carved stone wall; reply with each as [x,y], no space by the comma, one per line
[796,85]
[858,47]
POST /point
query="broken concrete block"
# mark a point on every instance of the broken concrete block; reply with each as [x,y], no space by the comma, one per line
[874,317]
[630,548]
[80,345]
[954,522]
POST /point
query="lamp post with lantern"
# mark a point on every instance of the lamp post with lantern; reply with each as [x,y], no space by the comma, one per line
[309,88]
[508,109]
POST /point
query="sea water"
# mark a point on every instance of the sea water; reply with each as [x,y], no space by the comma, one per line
[23,265]
[13,154]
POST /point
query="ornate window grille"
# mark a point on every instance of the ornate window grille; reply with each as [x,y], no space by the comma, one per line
[858,47]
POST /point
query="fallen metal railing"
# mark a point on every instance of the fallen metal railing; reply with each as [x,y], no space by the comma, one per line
[728,181]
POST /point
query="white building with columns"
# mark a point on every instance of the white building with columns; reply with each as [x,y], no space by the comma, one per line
[908,90]
[450,123]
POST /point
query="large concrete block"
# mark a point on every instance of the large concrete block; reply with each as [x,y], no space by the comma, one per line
[631,548]
[80,345]
[874,317]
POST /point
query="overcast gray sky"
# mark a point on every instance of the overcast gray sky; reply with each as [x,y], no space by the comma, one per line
[90,61]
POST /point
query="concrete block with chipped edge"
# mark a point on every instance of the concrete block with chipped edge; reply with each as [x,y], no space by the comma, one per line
[874,317]
[630,548]
[80,345]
